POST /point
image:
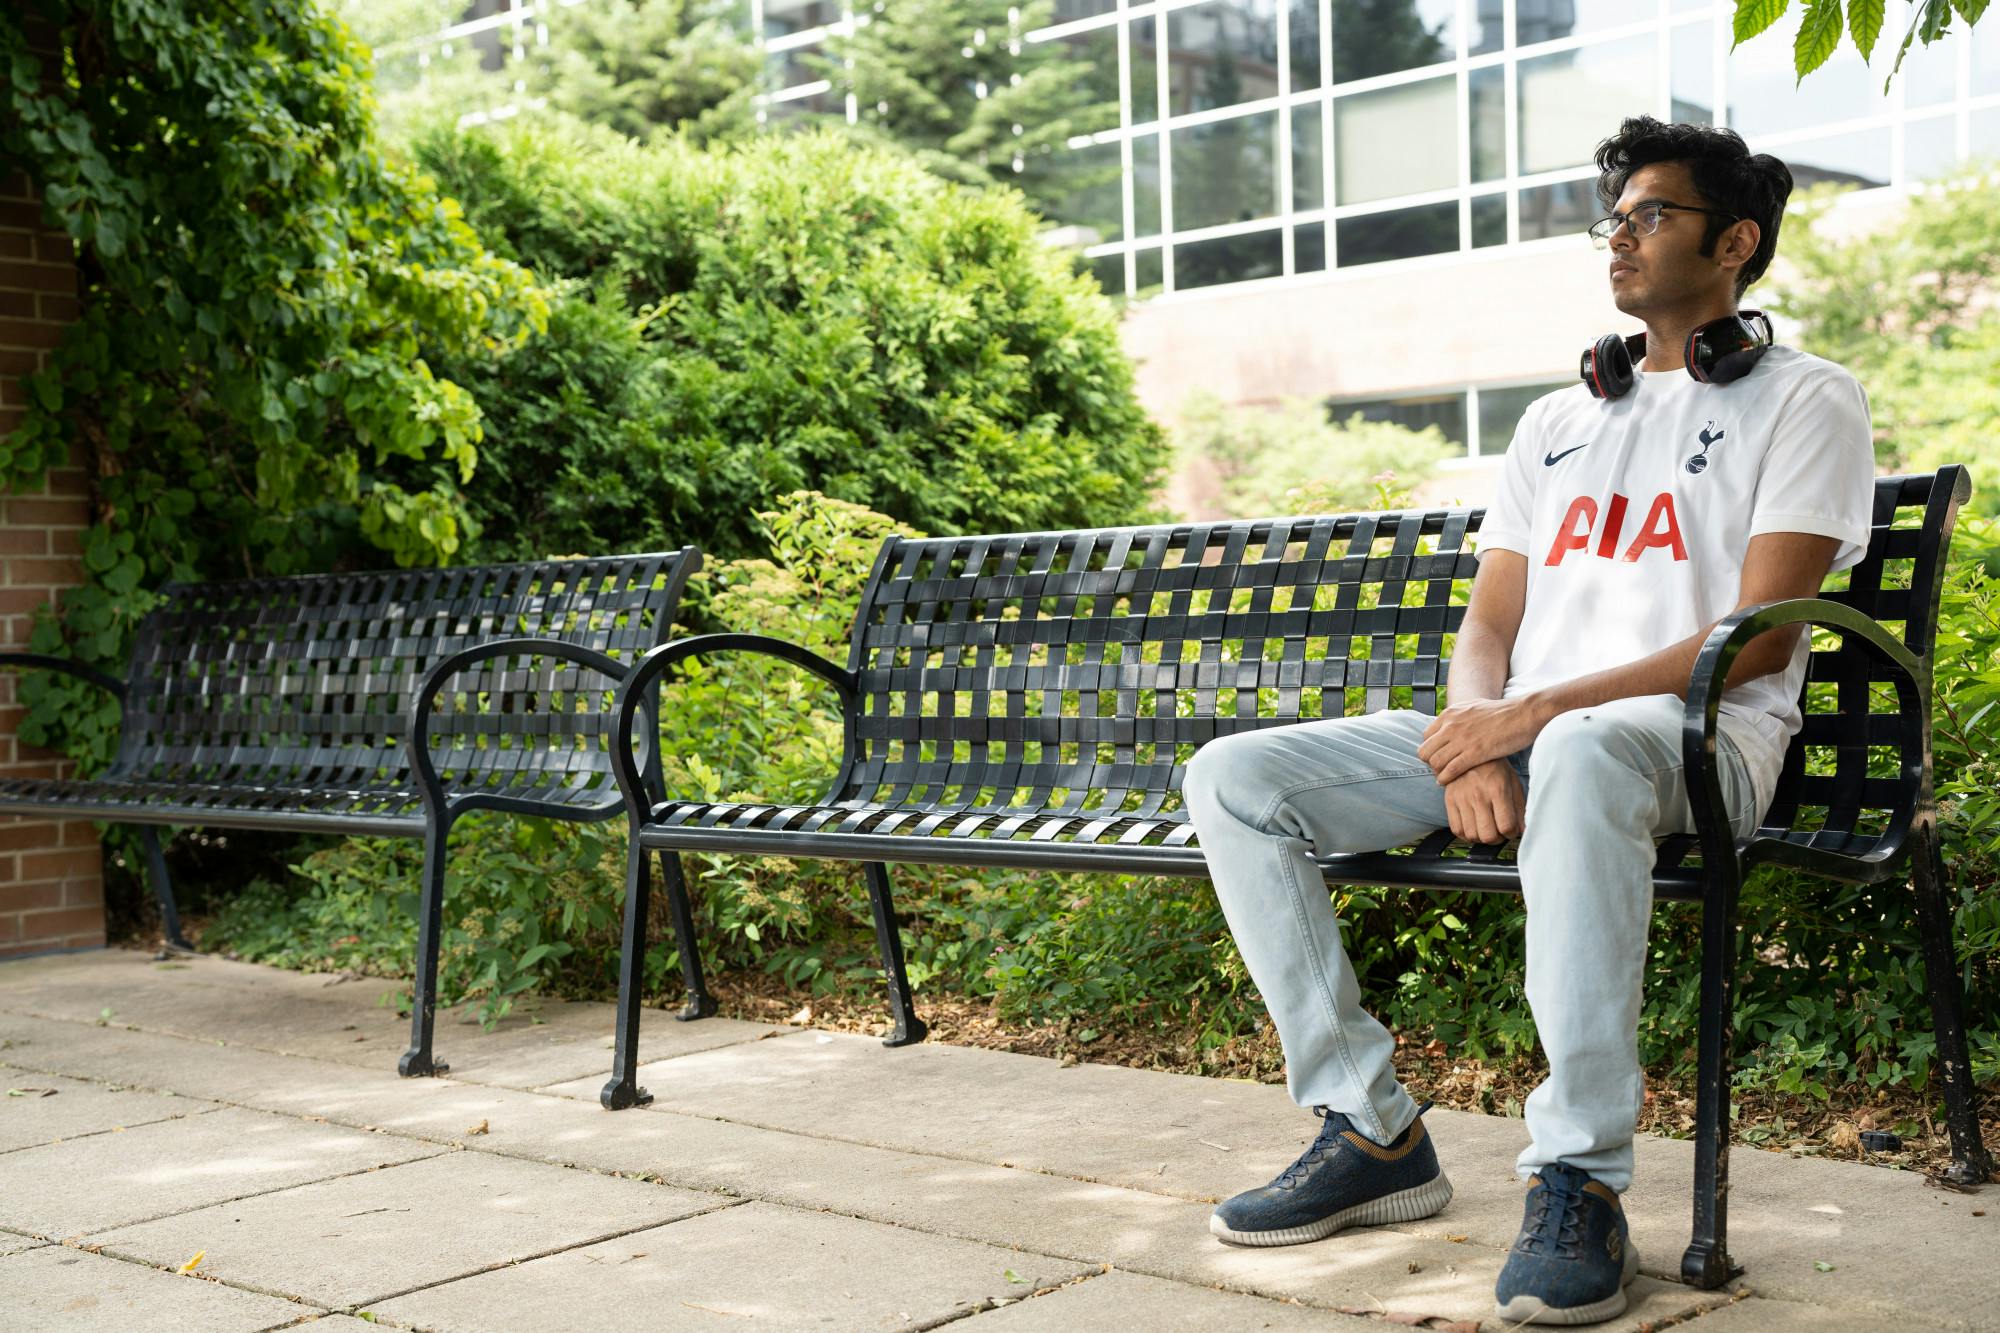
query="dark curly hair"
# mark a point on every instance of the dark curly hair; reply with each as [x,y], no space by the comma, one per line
[1725,172]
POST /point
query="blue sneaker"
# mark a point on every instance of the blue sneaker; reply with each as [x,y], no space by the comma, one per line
[1344,1180]
[1574,1256]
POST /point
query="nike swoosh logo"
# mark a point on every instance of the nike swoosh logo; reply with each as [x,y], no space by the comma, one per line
[1552,459]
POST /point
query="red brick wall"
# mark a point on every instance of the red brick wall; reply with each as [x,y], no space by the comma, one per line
[51,874]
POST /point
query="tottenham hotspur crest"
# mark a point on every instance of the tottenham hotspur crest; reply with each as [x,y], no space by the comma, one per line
[1709,435]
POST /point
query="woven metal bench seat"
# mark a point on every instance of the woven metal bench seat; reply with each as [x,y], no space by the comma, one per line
[1032,700]
[1030,839]
[385,702]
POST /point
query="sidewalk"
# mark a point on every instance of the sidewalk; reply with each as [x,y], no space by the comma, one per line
[784,1178]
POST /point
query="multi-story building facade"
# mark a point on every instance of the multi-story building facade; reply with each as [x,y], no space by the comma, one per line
[1381,203]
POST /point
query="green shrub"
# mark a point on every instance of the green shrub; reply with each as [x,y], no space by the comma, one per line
[1291,459]
[790,313]
[245,385]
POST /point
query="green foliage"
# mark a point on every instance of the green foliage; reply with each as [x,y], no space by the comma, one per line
[953,83]
[1907,310]
[790,313]
[1819,31]
[248,383]
[644,67]
[1292,460]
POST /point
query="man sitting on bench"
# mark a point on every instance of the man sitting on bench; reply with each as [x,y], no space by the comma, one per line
[1633,511]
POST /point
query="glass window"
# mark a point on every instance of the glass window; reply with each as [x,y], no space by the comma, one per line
[1309,247]
[1308,159]
[1860,159]
[1304,41]
[1546,20]
[1147,278]
[1930,73]
[1085,188]
[1373,37]
[1395,141]
[1559,210]
[1146,185]
[1500,412]
[1109,271]
[1400,233]
[1985,132]
[1093,60]
[1985,60]
[1486,106]
[1693,54]
[1446,411]
[1228,259]
[1069,11]
[789,16]
[1226,171]
[1221,53]
[793,67]
[1489,220]
[1689,6]
[1144,40]
[1573,100]
[1766,95]
[1489,27]
[1930,147]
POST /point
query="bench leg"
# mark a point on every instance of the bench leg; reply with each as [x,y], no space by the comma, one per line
[418,1060]
[1706,1264]
[1971,1164]
[623,1089]
[163,889]
[700,1004]
[908,1027]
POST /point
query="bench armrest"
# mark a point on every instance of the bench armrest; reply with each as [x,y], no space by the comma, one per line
[1704,698]
[429,784]
[633,695]
[43,661]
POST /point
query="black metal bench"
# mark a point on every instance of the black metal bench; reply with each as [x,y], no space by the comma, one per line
[1032,701]
[311,704]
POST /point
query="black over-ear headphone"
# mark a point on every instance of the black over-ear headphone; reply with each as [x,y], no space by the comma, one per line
[1717,352]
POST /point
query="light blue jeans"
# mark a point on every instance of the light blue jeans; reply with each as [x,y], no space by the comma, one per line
[1601,783]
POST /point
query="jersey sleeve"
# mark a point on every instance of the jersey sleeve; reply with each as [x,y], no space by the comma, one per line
[1509,520]
[1819,472]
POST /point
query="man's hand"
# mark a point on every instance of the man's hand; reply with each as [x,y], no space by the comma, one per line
[1466,735]
[1487,804]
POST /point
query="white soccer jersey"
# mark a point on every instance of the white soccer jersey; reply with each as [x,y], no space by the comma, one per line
[1635,514]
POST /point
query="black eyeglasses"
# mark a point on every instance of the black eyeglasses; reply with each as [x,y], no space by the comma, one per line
[1644,220]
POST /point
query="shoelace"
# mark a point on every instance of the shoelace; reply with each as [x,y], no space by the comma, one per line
[1329,1132]
[1556,1224]
[1333,1126]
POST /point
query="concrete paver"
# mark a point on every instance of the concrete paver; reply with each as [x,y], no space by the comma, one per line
[364,1238]
[772,1266]
[345,1019]
[13,1244]
[48,1107]
[1773,1316]
[61,1290]
[92,1184]
[1083,1167]
[1125,1300]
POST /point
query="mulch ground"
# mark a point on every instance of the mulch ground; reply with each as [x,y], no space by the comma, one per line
[1765,1121]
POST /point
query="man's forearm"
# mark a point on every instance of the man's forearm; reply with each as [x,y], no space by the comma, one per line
[1663,672]
[1479,663]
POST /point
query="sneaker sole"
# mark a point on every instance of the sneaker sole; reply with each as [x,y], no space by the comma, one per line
[1531,1309]
[1405,1206]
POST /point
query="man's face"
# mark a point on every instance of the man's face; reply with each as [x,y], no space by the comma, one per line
[1666,269]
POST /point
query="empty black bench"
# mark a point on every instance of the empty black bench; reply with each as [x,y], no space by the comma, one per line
[1033,700]
[312,704]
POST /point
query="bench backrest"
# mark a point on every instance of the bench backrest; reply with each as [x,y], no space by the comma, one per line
[308,680]
[1079,671]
